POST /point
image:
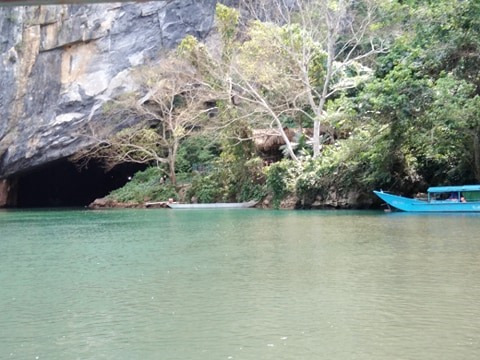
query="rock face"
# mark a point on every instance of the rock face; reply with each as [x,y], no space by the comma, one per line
[60,63]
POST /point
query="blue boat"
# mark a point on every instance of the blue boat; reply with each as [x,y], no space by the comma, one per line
[464,198]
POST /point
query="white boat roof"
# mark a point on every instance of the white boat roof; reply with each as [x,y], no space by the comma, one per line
[441,189]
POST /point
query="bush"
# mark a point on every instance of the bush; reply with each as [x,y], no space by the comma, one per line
[147,185]
[206,189]
[282,178]
[229,180]
[196,151]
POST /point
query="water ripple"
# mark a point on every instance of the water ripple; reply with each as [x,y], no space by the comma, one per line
[238,285]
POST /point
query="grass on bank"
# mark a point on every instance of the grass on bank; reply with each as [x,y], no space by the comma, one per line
[147,185]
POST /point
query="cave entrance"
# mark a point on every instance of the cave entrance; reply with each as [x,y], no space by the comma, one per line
[62,184]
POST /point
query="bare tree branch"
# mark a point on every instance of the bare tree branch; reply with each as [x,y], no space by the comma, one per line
[171,104]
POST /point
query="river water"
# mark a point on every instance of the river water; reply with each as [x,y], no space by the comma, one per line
[239,284]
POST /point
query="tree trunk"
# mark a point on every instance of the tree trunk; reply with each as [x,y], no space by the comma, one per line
[319,111]
[172,156]
[288,143]
[476,154]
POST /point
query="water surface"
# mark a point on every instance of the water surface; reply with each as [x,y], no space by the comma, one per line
[239,284]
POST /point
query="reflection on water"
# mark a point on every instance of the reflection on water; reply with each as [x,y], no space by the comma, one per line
[240,284]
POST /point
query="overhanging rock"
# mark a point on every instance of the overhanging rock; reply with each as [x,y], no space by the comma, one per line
[61,63]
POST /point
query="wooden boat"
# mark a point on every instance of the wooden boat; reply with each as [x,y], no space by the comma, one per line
[464,198]
[241,205]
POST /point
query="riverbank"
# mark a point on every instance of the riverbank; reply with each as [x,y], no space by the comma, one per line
[333,202]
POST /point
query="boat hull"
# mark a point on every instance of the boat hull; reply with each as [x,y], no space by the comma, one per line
[414,205]
[242,205]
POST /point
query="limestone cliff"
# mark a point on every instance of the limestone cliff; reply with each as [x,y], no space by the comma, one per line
[60,63]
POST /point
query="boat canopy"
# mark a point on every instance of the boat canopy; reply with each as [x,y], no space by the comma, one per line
[461,188]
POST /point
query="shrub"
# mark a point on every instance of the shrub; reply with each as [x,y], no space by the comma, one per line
[281,179]
[196,151]
[147,185]
[206,189]
[230,179]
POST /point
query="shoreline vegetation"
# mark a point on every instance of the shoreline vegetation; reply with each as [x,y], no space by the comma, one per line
[148,189]
[313,109]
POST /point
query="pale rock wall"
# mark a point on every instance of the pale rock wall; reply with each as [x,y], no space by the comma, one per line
[60,63]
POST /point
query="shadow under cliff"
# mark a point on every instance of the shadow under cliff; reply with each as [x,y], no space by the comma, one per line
[61,184]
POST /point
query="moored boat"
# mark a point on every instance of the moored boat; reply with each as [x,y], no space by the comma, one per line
[241,205]
[463,198]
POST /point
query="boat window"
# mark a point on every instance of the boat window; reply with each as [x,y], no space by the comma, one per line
[471,195]
[440,196]
[453,196]
[444,196]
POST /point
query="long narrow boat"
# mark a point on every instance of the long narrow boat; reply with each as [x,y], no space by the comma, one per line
[464,198]
[241,205]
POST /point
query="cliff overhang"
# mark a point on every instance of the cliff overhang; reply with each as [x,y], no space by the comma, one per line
[61,64]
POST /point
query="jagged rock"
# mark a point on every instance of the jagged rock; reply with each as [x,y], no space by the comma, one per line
[60,63]
[104,203]
[290,202]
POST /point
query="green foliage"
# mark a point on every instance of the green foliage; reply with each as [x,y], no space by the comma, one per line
[147,185]
[261,57]
[227,22]
[426,91]
[281,179]
[196,151]
[188,45]
[251,180]
[366,164]
[206,189]
[232,178]
[197,54]
[445,146]
[414,121]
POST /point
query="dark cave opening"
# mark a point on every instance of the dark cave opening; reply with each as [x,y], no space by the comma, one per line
[62,184]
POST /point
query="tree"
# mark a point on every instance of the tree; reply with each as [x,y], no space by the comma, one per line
[426,93]
[290,67]
[321,44]
[171,104]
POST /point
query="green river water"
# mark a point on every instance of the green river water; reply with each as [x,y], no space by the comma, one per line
[238,284]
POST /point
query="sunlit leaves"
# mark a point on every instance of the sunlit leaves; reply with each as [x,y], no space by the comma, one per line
[227,22]
[269,59]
